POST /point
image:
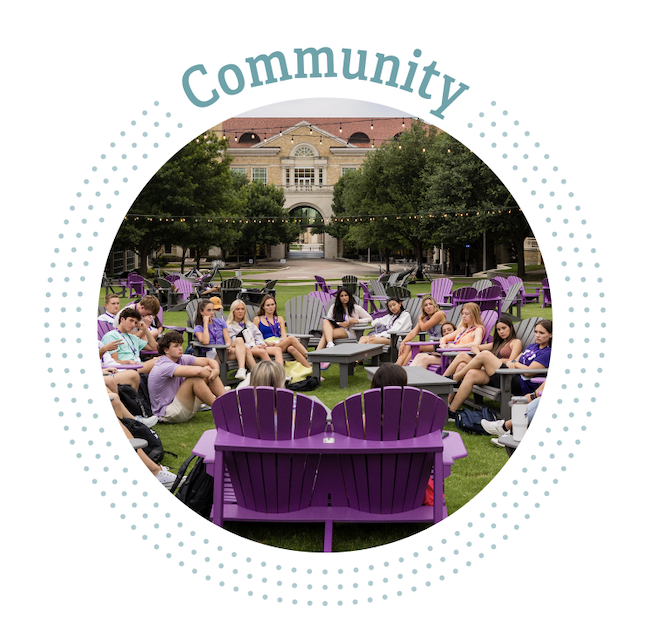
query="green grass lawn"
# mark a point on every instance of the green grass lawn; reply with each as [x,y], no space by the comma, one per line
[469,475]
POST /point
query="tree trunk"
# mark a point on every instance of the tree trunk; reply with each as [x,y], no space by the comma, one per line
[521,258]
[183,255]
[387,260]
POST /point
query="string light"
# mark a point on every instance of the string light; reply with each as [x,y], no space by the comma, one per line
[372,125]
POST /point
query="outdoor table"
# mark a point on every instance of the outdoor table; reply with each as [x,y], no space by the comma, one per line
[345,354]
[423,379]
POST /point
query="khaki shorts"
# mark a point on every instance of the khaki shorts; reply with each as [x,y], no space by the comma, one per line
[176,412]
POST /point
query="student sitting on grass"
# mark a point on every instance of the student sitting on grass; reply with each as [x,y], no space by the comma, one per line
[112,306]
[128,352]
[179,383]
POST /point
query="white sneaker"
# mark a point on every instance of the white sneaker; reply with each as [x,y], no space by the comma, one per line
[165,477]
[330,344]
[241,374]
[496,442]
[494,428]
[149,422]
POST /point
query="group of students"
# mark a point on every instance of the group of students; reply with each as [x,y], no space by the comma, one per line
[467,369]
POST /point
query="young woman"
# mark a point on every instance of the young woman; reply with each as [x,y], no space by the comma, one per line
[340,318]
[397,321]
[504,346]
[447,328]
[481,369]
[431,316]
[240,325]
[209,329]
[470,333]
[271,325]
[267,374]
[389,374]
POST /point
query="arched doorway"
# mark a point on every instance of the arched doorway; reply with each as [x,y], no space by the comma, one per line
[310,241]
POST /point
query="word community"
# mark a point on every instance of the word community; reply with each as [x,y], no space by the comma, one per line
[231,80]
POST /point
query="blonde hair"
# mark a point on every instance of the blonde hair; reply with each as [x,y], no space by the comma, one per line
[267,374]
[424,301]
[475,314]
[231,315]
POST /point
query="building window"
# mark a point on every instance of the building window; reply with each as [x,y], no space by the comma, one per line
[304,151]
[320,176]
[359,138]
[304,176]
[345,169]
[287,176]
[259,174]
[238,169]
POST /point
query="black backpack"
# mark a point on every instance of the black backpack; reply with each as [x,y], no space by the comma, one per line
[306,385]
[469,420]
[137,403]
[154,448]
[197,491]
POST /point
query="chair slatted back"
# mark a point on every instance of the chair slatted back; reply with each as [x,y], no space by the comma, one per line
[319,296]
[272,483]
[463,295]
[414,308]
[303,314]
[350,284]
[385,484]
[501,282]
[525,330]
[511,296]
[546,294]
[103,328]
[482,284]
[183,288]
[492,295]
[377,288]
[489,320]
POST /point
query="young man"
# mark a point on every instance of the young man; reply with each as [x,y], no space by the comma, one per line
[148,307]
[112,305]
[129,351]
[179,383]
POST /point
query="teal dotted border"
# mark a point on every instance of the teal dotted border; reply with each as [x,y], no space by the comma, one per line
[195,546]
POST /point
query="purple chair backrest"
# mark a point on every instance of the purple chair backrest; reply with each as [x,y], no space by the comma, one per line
[184,287]
[440,288]
[386,483]
[103,328]
[464,294]
[321,296]
[274,483]
[501,282]
[172,278]
[489,320]
[492,295]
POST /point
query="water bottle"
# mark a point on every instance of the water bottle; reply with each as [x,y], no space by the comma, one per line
[519,416]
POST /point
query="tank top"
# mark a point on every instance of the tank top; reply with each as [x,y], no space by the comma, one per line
[269,331]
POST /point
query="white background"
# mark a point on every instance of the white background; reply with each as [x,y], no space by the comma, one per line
[75,75]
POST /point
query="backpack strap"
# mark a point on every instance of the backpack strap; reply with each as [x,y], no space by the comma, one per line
[182,469]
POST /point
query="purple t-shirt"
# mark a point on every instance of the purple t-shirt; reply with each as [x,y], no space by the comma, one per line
[215,329]
[533,354]
[163,385]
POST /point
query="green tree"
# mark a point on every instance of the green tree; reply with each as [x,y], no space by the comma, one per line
[184,203]
[267,221]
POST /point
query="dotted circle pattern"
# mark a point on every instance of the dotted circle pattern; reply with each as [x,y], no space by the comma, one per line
[142,505]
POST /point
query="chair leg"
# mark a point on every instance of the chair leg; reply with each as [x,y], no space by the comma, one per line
[327,547]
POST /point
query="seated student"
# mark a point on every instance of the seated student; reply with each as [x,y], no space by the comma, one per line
[112,376]
[179,383]
[430,317]
[209,329]
[481,369]
[274,332]
[501,427]
[505,345]
[397,321]
[128,352]
[112,306]
[268,374]
[340,318]
[240,325]
[470,333]
[148,307]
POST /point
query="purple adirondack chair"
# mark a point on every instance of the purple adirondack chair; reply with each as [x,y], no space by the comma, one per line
[172,277]
[463,295]
[490,299]
[501,282]
[440,290]
[283,470]
[103,328]
[546,294]
[135,285]
[320,296]
[321,285]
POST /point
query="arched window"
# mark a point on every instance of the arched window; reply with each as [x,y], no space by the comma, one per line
[304,151]
[359,138]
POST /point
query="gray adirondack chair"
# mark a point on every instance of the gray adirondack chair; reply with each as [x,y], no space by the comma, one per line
[301,315]
[230,291]
[479,285]
[512,301]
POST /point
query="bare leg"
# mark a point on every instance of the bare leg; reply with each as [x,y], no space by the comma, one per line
[296,353]
[458,363]
[261,353]
[472,377]
[485,360]
[196,387]
[276,353]
[375,339]
[424,360]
